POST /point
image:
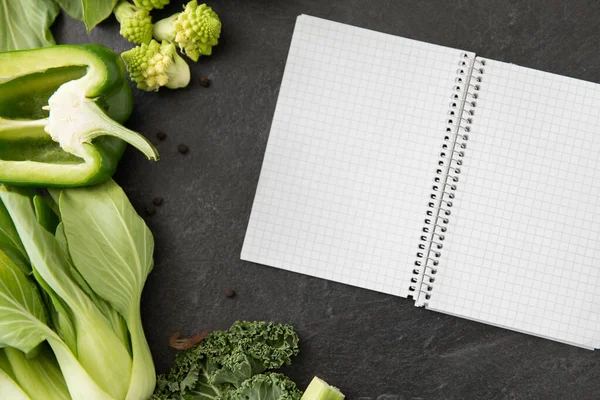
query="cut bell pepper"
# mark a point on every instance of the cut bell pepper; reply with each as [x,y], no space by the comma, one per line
[61,110]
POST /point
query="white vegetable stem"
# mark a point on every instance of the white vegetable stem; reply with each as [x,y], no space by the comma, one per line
[143,376]
[75,119]
[9,389]
[81,386]
[318,389]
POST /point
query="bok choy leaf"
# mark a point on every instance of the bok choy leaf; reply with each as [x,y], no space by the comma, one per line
[40,376]
[23,326]
[100,354]
[112,248]
[10,243]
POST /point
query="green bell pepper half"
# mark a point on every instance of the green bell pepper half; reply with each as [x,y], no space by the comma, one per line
[80,140]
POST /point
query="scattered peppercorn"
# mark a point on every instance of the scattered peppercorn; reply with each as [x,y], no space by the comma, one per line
[229,293]
[160,135]
[157,201]
[183,149]
[150,210]
[204,81]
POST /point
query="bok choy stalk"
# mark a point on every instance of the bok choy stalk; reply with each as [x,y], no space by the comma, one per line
[112,248]
[25,326]
[100,352]
[9,389]
[40,376]
[80,293]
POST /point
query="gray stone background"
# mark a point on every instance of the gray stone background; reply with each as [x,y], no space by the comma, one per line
[369,344]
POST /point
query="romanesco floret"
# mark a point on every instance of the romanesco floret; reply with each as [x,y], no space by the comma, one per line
[196,30]
[136,23]
[151,4]
[156,64]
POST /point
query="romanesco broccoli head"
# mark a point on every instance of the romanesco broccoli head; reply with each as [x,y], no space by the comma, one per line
[136,23]
[151,4]
[156,64]
[196,30]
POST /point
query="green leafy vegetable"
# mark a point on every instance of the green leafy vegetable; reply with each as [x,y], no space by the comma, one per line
[10,244]
[116,320]
[20,306]
[91,12]
[40,376]
[112,248]
[231,365]
[89,265]
[99,350]
[25,24]
[266,387]
[224,360]
[44,213]
[24,327]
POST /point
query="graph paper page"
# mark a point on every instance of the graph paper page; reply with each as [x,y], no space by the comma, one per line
[521,249]
[351,155]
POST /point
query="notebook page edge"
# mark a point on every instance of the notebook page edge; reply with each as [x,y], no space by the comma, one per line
[580,345]
[587,333]
[390,35]
[245,253]
[590,84]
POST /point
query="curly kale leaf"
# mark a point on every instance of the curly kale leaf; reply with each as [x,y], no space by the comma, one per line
[268,386]
[225,360]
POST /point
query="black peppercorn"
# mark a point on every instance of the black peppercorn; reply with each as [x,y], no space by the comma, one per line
[183,149]
[204,81]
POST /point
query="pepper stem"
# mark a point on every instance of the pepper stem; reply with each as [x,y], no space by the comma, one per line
[109,127]
[75,119]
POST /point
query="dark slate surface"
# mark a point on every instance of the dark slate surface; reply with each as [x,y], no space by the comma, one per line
[369,344]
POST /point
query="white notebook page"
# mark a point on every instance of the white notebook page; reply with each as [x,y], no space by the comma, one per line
[522,244]
[351,155]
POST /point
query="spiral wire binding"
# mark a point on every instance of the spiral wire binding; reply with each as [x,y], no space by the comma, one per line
[460,118]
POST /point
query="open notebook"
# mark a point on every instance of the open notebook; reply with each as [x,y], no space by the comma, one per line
[469,185]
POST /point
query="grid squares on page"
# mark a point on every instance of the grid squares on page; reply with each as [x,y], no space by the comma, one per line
[351,155]
[521,251]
